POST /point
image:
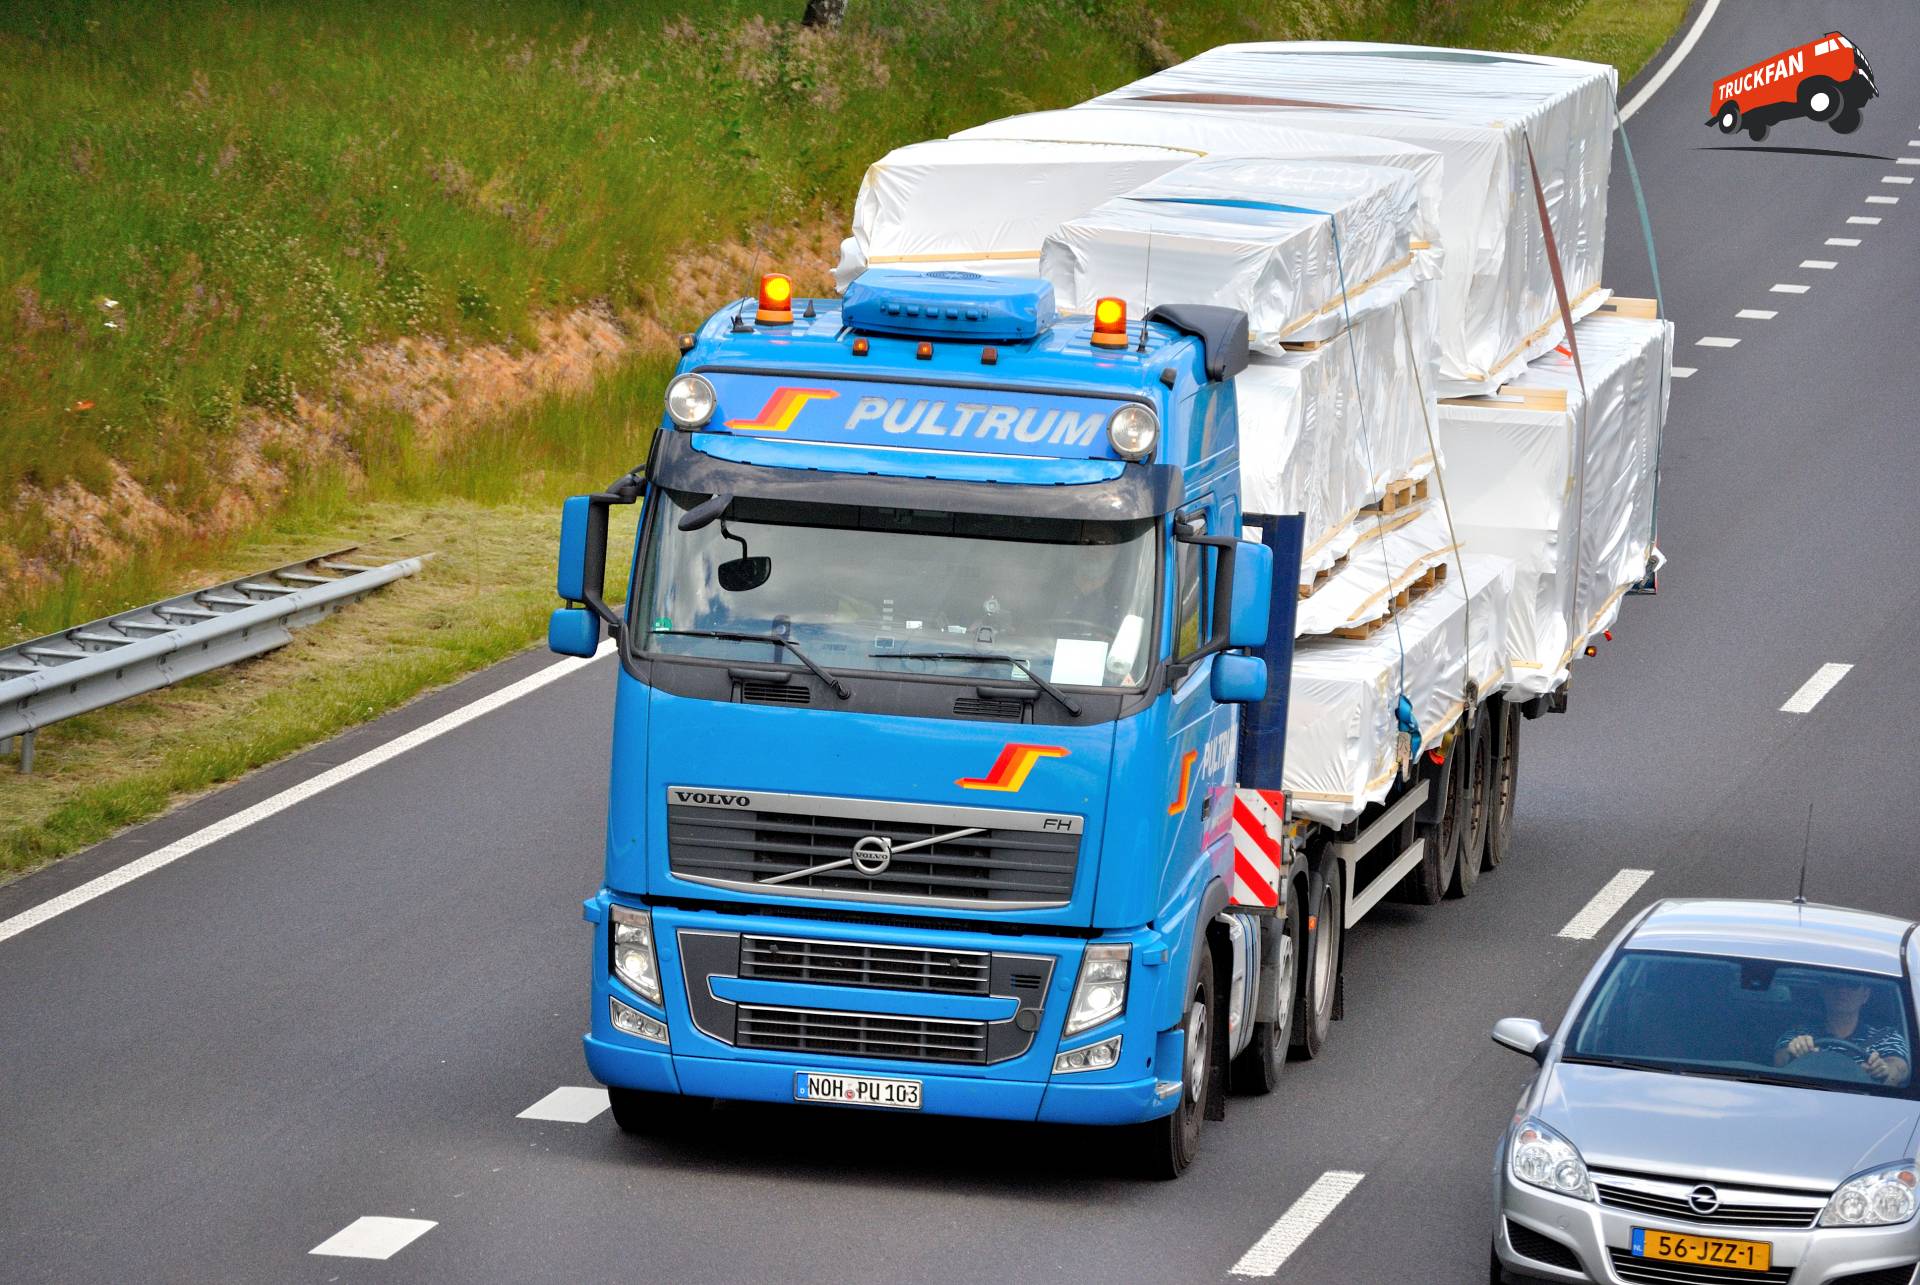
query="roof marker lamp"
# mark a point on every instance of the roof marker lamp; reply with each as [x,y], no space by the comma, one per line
[1100,994]
[1110,323]
[1542,1158]
[1132,430]
[690,400]
[1877,1198]
[633,959]
[776,301]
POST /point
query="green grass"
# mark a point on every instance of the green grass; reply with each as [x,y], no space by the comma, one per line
[265,188]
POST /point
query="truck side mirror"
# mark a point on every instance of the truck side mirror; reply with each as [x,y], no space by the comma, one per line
[1252,591]
[1237,679]
[573,631]
[581,575]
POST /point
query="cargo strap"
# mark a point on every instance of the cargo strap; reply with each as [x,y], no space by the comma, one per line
[1648,585]
[1446,506]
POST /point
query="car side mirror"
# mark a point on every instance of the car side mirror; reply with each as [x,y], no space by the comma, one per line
[573,631]
[1523,1035]
[1238,680]
[738,575]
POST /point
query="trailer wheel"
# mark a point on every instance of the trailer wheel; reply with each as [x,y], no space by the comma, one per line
[1504,783]
[1427,882]
[1475,788]
[1320,973]
[645,1114]
[1819,97]
[1729,119]
[1168,1145]
[1257,1070]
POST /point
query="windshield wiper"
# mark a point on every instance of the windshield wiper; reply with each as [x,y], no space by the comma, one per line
[1670,1068]
[729,635]
[1073,706]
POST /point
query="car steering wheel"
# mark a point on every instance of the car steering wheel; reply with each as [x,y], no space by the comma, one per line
[1834,1044]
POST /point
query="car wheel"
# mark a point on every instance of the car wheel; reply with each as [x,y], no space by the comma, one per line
[1819,97]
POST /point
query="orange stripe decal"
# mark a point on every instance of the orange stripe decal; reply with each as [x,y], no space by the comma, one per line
[1179,803]
[1010,769]
[782,409]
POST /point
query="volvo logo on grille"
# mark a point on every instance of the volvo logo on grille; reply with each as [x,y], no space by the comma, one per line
[1703,1200]
[872,854]
[710,798]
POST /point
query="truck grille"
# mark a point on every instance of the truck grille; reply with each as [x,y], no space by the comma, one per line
[977,857]
[1671,1203]
[912,1039]
[845,963]
[1651,1271]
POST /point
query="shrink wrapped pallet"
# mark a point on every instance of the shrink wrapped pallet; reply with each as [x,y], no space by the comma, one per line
[1396,555]
[1343,735]
[1562,482]
[1480,111]
[1210,133]
[985,205]
[1299,246]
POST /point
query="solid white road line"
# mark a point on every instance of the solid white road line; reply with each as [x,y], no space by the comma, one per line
[1292,1228]
[1684,372]
[1897,178]
[1680,53]
[1756,314]
[229,826]
[1824,680]
[1715,341]
[1784,288]
[1847,240]
[1883,200]
[568,1104]
[1863,220]
[1605,905]
[1824,265]
[379,1238]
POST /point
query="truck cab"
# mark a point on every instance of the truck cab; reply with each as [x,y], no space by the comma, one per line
[936,641]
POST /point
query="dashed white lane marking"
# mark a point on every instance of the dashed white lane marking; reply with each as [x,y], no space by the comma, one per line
[1883,200]
[1605,905]
[1824,680]
[568,1104]
[1684,372]
[229,826]
[1824,265]
[1756,314]
[1716,341]
[1846,240]
[1897,178]
[1906,160]
[1864,220]
[379,1238]
[1783,287]
[1679,56]
[1292,1228]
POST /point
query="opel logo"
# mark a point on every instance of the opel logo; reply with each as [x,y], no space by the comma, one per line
[1703,1200]
[872,854]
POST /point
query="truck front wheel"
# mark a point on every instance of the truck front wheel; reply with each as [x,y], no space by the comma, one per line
[655,1115]
[1168,1145]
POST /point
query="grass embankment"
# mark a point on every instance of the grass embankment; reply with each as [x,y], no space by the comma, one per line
[211,214]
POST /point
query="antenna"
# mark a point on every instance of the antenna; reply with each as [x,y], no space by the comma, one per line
[1805,848]
[1146,292]
[753,267]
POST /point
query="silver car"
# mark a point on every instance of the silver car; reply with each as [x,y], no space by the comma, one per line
[1731,1101]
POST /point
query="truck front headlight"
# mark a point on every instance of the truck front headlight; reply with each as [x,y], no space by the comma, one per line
[1877,1198]
[633,958]
[1542,1158]
[690,400]
[1101,992]
[1132,430]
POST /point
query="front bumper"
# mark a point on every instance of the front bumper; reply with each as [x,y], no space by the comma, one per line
[1020,1086]
[1592,1232]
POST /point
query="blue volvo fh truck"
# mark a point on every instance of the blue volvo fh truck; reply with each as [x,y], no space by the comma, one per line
[950,722]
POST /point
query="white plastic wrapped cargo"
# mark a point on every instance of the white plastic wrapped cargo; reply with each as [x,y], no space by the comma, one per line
[1342,729]
[1479,110]
[1394,553]
[1299,246]
[1210,133]
[985,205]
[1564,486]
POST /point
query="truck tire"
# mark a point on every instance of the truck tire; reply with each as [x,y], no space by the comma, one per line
[1846,121]
[645,1114]
[1757,130]
[1504,783]
[1475,791]
[1427,882]
[1257,1070]
[1820,98]
[1320,965]
[1168,1145]
[1729,118]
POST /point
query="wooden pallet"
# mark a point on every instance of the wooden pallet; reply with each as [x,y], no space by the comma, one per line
[1400,495]
[1413,591]
[1320,580]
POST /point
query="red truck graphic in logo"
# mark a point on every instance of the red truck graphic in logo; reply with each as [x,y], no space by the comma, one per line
[1825,80]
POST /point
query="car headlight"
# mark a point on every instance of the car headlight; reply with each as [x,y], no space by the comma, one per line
[690,400]
[1101,992]
[1877,1198]
[633,958]
[1132,430]
[1542,1158]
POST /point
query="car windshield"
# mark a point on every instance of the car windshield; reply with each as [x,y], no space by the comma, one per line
[862,588]
[1748,1019]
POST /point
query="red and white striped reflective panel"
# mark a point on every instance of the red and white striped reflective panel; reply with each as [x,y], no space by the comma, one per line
[1259,825]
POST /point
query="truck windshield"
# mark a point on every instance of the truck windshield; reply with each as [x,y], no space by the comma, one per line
[1072,599]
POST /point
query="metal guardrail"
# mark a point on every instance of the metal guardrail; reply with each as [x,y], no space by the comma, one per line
[44,680]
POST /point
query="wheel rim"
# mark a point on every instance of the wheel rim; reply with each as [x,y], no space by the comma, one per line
[1819,102]
[1284,985]
[1196,1051]
[1323,959]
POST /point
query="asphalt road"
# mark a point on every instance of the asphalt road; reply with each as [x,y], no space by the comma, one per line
[341,1010]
